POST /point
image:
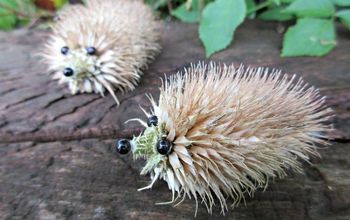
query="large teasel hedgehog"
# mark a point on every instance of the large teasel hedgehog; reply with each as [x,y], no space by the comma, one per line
[103,45]
[221,131]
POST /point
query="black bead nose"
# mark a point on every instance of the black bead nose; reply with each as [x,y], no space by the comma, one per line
[91,50]
[68,71]
[153,120]
[164,146]
[123,146]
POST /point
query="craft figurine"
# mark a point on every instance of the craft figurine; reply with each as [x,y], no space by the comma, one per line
[220,131]
[103,45]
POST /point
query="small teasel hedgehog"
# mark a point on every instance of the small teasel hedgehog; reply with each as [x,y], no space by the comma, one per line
[103,45]
[219,132]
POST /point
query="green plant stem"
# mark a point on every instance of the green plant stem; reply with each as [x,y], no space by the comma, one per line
[170,6]
[189,5]
[260,6]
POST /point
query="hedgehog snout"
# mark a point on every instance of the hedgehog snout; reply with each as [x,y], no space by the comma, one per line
[78,64]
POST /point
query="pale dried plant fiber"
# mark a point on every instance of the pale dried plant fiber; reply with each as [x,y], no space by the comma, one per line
[125,34]
[233,129]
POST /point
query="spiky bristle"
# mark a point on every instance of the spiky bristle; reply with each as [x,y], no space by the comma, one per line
[232,130]
[125,35]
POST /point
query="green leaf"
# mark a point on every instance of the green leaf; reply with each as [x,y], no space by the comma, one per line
[287,1]
[250,4]
[341,2]
[275,14]
[276,2]
[7,17]
[311,8]
[190,15]
[344,16]
[26,7]
[219,21]
[309,37]
[156,4]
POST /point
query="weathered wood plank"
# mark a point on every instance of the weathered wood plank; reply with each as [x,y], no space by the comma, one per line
[71,179]
[87,179]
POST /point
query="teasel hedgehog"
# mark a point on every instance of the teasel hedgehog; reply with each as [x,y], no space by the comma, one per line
[103,45]
[220,131]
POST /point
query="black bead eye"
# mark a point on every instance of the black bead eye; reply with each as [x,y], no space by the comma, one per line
[163,146]
[153,120]
[123,146]
[64,50]
[91,50]
[68,71]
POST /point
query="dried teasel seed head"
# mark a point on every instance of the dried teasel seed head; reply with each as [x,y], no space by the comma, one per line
[231,130]
[105,44]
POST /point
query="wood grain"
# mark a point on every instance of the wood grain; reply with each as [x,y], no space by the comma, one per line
[88,180]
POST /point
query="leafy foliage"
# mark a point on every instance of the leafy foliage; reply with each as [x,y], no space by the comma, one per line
[250,5]
[312,35]
[314,8]
[216,29]
[344,16]
[341,2]
[275,14]
[188,12]
[8,19]
[15,13]
[156,4]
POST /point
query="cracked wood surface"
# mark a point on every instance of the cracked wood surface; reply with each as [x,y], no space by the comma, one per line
[56,150]
[87,180]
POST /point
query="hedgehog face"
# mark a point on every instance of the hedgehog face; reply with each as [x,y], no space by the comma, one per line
[80,63]
[153,145]
[87,66]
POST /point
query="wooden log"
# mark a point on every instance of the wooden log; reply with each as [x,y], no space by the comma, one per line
[87,179]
